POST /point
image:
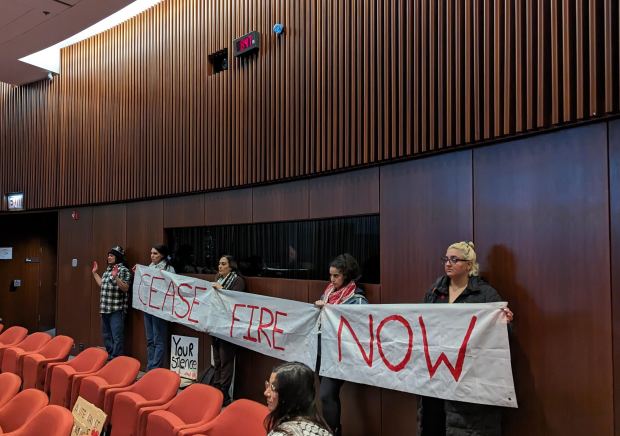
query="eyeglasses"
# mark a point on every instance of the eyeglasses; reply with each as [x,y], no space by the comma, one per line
[452,259]
[270,386]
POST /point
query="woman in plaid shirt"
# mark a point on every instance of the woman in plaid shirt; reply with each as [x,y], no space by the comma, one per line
[114,285]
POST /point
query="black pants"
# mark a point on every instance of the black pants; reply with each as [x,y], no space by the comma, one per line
[224,359]
[330,401]
[329,393]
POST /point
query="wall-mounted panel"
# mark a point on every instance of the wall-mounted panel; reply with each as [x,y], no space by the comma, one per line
[614,206]
[541,225]
[280,288]
[184,211]
[352,193]
[283,202]
[425,206]
[228,207]
[75,283]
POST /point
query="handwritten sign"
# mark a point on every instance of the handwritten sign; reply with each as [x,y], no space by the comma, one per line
[184,356]
[276,327]
[451,351]
[88,419]
[171,296]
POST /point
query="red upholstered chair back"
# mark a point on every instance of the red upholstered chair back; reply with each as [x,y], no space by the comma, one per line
[13,335]
[58,347]
[119,370]
[242,417]
[49,421]
[91,359]
[9,386]
[197,401]
[34,341]
[156,383]
[1,327]
[87,362]
[21,408]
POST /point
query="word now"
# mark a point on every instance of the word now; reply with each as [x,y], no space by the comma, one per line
[375,336]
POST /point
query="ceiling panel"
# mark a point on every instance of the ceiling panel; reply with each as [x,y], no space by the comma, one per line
[26,29]
[29,16]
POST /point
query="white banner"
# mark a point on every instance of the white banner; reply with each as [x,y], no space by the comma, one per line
[276,327]
[451,351]
[172,297]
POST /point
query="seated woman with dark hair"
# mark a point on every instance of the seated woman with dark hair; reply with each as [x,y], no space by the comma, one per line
[291,400]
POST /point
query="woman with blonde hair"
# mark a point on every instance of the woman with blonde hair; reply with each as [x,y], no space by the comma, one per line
[460,284]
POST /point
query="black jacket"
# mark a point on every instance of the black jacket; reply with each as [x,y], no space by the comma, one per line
[456,418]
[477,291]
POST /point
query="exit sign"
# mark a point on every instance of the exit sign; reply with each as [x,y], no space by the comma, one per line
[15,200]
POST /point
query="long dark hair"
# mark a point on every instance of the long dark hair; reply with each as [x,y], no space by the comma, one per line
[231,262]
[164,251]
[294,384]
[348,267]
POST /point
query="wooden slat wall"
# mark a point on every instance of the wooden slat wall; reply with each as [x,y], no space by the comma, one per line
[137,112]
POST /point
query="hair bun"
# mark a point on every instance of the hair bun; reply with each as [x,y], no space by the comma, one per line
[470,243]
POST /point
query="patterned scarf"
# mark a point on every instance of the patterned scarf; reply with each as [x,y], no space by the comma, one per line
[338,296]
[228,280]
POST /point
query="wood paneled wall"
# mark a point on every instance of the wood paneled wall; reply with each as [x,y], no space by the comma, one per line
[541,224]
[614,206]
[543,211]
[137,112]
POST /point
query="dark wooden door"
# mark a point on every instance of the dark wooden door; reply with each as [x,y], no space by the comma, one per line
[28,279]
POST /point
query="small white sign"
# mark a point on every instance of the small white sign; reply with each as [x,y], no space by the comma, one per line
[15,200]
[184,356]
[6,253]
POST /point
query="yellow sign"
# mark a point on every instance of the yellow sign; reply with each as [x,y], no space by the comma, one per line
[88,419]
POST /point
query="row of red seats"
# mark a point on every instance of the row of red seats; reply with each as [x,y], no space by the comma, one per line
[28,355]
[149,406]
[27,413]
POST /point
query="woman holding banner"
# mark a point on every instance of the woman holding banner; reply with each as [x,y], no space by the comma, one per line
[156,329]
[291,400]
[460,284]
[224,352]
[344,271]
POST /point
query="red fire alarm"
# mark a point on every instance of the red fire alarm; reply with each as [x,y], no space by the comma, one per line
[75,215]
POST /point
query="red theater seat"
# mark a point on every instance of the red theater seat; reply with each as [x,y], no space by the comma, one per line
[9,386]
[49,421]
[34,365]
[242,417]
[195,406]
[12,359]
[123,405]
[1,327]
[119,372]
[63,378]
[19,409]
[11,336]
